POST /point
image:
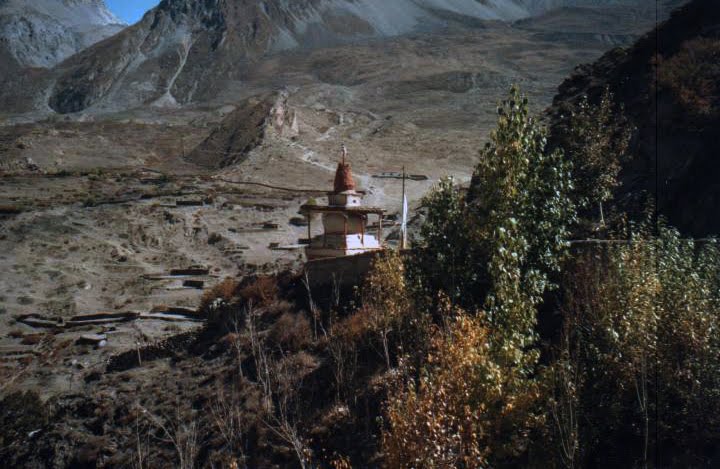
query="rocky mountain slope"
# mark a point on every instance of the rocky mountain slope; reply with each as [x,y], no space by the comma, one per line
[185,51]
[42,33]
[668,83]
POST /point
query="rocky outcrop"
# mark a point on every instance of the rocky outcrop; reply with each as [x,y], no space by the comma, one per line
[245,129]
[668,84]
[42,33]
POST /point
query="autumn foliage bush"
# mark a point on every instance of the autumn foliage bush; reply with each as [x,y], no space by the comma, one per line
[224,290]
[691,76]
[261,291]
[291,332]
[225,303]
[385,299]
[465,409]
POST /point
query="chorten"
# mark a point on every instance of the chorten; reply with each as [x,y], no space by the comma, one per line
[344,219]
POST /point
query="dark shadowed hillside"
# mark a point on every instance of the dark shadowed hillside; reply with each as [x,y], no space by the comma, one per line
[668,83]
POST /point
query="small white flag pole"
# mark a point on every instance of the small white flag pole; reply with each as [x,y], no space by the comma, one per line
[403,228]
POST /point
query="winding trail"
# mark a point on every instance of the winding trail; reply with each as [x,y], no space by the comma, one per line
[376,193]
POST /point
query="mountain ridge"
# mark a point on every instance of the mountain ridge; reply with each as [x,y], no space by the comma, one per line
[43,33]
[183,50]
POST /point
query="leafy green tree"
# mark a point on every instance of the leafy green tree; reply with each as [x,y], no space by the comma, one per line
[520,201]
[642,343]
[475,396]
[508,236]
[597,141]
[445,257]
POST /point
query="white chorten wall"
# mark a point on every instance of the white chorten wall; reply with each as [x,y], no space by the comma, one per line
[335,223]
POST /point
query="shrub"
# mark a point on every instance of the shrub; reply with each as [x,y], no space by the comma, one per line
[225,290]
[691,76]
[23,412]
[354,328]
[291,332]
[261,291]
[214,238]
[385,298]
[218,304]
[465,409]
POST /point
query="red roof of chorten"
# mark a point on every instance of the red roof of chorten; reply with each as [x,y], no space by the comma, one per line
[343,176]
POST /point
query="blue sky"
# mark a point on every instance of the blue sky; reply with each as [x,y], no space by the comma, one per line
[130,11]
